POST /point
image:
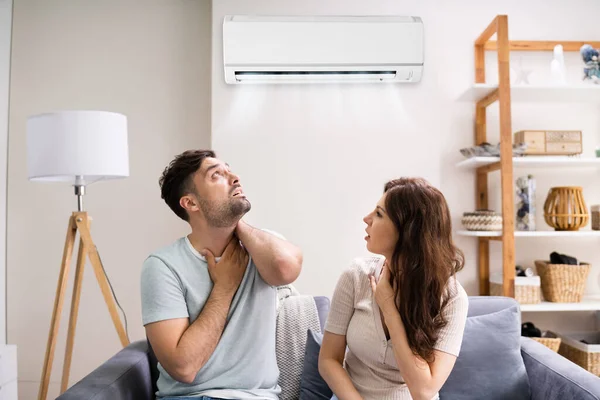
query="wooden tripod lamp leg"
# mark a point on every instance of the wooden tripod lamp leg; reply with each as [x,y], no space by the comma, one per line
[81,258]
[82,224]
[57,310]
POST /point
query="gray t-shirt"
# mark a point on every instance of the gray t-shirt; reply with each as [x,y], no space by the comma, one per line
[175,283]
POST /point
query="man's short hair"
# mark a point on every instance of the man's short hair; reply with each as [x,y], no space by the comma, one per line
[177,178]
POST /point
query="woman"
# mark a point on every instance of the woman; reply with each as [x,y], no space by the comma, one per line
[402,316]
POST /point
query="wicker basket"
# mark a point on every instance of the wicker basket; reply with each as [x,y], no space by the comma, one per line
[596,217]
[563,283]
[527,288]
[550,340]
[587,356]
[482,220]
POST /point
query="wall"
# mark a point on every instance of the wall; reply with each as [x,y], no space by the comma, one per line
[314,158]
[5,33]
[148,60]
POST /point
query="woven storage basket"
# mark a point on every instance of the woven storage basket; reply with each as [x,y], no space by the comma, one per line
[562,283]
[587,356]
[482,220]
[550,340]
[527,289]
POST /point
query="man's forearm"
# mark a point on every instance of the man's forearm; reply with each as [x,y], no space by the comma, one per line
[201,338]
[278,261]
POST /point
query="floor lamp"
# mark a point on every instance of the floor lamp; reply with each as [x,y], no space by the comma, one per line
[79,148]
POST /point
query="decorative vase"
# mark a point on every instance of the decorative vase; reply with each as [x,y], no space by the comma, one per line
[525,204]
[565,209]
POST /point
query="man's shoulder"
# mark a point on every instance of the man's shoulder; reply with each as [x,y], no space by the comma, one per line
[166,257]
[173,249]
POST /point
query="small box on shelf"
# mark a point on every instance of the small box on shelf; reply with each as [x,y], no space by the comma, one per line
[527,288]
[550,142]
[595,217]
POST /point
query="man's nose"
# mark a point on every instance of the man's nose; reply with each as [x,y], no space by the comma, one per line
[234,179]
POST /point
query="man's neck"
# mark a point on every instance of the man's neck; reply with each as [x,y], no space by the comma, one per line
[214,239]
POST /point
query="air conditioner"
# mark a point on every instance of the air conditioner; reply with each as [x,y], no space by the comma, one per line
[277,49]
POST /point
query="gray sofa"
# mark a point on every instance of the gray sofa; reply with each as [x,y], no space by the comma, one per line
[131,373]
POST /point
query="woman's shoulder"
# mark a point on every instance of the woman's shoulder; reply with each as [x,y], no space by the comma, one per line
[355,278]
[455,293]
[360,269]
[365,266]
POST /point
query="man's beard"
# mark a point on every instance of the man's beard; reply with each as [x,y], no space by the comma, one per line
[226,214]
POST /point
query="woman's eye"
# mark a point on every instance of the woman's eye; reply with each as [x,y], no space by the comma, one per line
[378,214]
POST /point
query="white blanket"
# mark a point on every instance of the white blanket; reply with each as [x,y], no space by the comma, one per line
[296,314]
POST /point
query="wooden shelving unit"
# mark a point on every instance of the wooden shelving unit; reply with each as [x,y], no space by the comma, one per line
[484,95]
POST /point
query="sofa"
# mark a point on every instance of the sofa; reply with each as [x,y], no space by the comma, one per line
[495,362]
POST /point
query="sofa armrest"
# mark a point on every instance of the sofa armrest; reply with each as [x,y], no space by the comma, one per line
[125,376]
[553,377]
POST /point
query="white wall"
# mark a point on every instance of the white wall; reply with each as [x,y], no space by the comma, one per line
[5,33]
[149,60]
[314,158]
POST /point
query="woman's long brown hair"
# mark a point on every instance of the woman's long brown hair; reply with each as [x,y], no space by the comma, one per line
[423,261]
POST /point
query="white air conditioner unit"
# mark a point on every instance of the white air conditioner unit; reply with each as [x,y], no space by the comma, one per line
[276,49]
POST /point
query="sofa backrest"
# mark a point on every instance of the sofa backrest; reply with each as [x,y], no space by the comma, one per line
[323,304]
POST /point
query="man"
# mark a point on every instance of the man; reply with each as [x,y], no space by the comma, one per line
[209,299]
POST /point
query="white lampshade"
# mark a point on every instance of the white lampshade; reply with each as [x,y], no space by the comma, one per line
[78,147]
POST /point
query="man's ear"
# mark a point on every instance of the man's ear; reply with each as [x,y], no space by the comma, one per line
[189,203]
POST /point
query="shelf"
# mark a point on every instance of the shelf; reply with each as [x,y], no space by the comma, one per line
[534,162]
[582,93]
[481,95]
[589,303]
[565,234]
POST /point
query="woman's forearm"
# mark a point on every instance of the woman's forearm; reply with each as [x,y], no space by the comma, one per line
[415,371]
[338,380]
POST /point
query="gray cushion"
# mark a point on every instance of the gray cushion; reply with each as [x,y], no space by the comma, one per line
[490,365]
[484,305]
[312,385]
